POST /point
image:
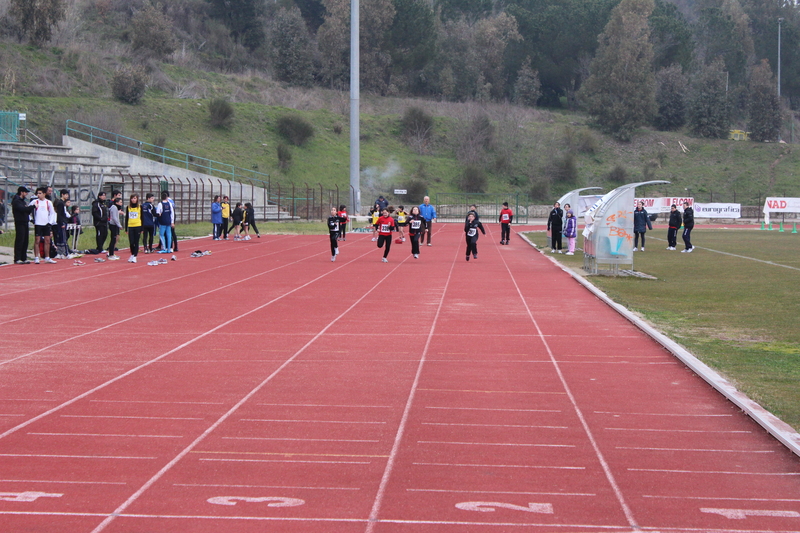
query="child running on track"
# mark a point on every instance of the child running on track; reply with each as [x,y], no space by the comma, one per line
[402,222]
[416,225]
[335,222]
[471,230]
[506,217]
[345,219]
[385,226]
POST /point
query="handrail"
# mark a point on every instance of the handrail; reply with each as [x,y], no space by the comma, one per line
[165,155]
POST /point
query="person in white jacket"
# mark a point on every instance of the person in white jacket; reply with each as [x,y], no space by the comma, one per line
[44,217]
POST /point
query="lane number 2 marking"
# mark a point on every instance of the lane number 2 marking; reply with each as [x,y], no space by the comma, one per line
[274,501]
[30,496]
[741,514]
[490,507]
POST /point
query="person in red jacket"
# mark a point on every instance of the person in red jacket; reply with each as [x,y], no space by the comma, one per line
[385,225]
[505,219]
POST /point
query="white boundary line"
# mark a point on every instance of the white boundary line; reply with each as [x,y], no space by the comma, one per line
[774,425]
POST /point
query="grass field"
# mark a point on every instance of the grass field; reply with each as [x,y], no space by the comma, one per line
[737,313]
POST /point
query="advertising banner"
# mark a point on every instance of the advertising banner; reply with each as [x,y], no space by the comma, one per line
[717,210]
[780,205]
[661,205]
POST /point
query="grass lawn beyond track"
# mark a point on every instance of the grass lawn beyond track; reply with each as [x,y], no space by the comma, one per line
[740,315]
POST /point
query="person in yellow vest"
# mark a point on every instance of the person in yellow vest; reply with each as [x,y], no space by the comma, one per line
[226,214]
[402,221]
[133,225]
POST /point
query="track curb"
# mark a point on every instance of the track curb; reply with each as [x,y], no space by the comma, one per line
[774,425]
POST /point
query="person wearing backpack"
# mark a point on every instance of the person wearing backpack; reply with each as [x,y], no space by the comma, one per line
[166,223]
[148,223]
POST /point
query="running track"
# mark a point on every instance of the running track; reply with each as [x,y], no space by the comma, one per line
[264,388]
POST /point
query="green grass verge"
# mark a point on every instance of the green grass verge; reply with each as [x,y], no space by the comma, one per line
[736,314]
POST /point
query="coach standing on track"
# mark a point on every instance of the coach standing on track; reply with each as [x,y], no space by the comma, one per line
[22,214]
[428,213]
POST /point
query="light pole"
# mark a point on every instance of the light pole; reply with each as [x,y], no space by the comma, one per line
[780,20]
[355,97]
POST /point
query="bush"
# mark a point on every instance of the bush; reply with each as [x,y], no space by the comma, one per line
[129,84]
[295,129]
[284,156]
[563,169]
[617,175]
[221,112]
[473,180]
[152,30]
[581,140]
[416,189]
[540,188]
[417,123]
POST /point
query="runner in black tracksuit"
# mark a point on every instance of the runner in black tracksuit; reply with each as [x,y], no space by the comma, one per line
[416,225]
[674,226]
[688,226]
[471,227]
[335,223]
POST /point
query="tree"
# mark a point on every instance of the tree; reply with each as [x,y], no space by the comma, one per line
[671,88]
[153,31]
[292,49]
[724,32]
[764,106]
[528,88]
[620,93]
[37,18]
[411,42]
[709,110]
[670,35]
[129,84]
[243,20]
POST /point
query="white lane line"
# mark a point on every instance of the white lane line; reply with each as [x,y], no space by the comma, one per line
[298,487]
[493,391]
[497,409]
[491,425]
[133,417]
[27,400]
[654,414]
[170,352]
[498,444]
[9,415]
[401,429]
[299,439]
[678,430]
[457,491]
[747,499]
[105,435]
[324,405]
[62,482]
[568,391]
[690,450]
[714,472]
[307,421]
[221,460]
[470,465]
[75,456]
[166,468]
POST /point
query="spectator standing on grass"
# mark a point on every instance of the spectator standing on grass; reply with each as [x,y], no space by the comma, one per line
[148,223]
[555,226]
[44,218]
[385,226]
[114,227]
[571,232]
[506,218]
[216,218]
[335,222]
[428,212]
[416,225]
[641,223]
[166,223]
[21,210]
[226,215]
[133,225]
[100,220]
[675,222]
[471,227]
[688,226]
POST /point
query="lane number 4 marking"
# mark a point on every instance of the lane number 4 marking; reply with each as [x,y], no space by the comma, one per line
[741,514]
[29,496]
[274,501]
[490,507]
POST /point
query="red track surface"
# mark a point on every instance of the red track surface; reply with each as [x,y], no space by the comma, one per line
[264,388]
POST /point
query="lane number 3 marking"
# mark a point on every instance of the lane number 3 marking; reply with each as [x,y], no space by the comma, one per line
[29,496]
[490,507]
[741,514]
[274,501]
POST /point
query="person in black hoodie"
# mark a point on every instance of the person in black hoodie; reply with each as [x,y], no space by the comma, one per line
[334,226]
[22,213]
[100,219]
[641,223]
[674,225]
[471,227]
[688,226]
[555,223]
[148,223]
[237,216]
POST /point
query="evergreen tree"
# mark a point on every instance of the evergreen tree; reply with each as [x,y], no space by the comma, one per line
[724,32]
[670,35]
[292,50]
[527,89]
[671,88]
[764,107]
[620,93]
[153,31]
[243,19]
[37,18]
[709,110]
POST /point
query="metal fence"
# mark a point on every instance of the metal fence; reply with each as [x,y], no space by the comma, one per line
[456,205]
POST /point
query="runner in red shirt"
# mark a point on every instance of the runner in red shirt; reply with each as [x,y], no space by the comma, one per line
[385,225]
[505,219]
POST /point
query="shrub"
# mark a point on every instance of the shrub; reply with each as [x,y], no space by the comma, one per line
[563,168]
[540,188]
[221,112]
[580,140]
[417,127]
[416,189]
[473,180]
[295,129]
[617,175]
[129,83]
[284,156]
[152,30]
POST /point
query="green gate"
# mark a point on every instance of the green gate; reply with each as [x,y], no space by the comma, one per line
[9,126]
[455,205]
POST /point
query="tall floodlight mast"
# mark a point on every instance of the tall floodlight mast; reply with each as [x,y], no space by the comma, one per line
[355,130]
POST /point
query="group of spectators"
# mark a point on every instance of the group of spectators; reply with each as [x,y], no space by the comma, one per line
[237,222]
